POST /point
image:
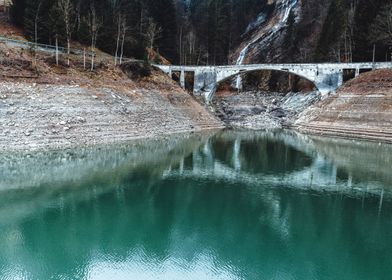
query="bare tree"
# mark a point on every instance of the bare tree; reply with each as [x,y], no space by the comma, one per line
[118,18]
[121,26]
[153,32]
[94,25]
[36,19]
[124,29]
[67,10]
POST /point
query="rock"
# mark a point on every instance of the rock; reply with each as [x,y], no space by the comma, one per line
[257,110]
[278,112]
[63,123]
[80,119]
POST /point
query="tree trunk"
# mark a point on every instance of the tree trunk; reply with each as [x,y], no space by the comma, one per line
[57,51]
[84,58]
[68,50]
[118,38]
[122,48]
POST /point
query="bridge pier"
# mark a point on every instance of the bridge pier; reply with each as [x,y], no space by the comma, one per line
[328,80]
[182,79]
[356,72]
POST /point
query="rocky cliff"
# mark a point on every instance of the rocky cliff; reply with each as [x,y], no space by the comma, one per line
[314,30]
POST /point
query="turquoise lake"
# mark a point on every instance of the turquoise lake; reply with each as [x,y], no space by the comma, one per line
[226,205]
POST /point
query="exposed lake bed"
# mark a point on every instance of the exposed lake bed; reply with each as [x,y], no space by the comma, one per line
[226,205]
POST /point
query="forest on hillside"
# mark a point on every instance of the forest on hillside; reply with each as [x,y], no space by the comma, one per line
[355,30]
[184,31]
[208,31]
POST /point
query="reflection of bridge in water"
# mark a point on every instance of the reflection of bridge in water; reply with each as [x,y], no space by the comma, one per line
[326,77]
[297,163]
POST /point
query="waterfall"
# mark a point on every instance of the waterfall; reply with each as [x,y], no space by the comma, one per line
[285,8]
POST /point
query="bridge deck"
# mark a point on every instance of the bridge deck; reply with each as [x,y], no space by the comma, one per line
[247,67]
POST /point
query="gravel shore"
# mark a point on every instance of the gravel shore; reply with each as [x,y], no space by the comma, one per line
[262,110]
[44,116]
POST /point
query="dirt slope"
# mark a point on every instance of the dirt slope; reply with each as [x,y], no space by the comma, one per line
[362,108]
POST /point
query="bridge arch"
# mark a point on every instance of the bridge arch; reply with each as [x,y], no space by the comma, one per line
[226,77]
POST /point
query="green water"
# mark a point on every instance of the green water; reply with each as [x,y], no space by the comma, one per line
[227,206]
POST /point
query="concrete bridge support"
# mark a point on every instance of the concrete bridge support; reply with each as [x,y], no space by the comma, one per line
[356,72]
[182,79]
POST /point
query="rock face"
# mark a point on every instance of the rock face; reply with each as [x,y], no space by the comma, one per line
[265,31]
[262,110]
[264,39]
[362,108]
[57,116]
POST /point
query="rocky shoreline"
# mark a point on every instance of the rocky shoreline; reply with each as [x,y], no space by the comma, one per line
[262,110]
[44,116]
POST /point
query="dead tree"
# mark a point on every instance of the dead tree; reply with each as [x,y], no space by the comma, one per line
[94,25]
[124,29]
[67,10]
[120,19]
[36,19]
[153,32]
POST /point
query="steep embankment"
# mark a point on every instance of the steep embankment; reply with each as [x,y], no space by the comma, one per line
[362,108]
[35,116]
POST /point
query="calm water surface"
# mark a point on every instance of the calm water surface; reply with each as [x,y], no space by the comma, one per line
[236,205]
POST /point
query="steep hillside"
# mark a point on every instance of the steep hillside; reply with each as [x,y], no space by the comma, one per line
[315,30]
[265,32]
[44,105]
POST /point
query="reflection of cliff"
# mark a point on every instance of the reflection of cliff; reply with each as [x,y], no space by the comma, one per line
[363,161]
[281,159]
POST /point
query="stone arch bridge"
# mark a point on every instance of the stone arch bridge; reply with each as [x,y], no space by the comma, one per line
[326,77]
